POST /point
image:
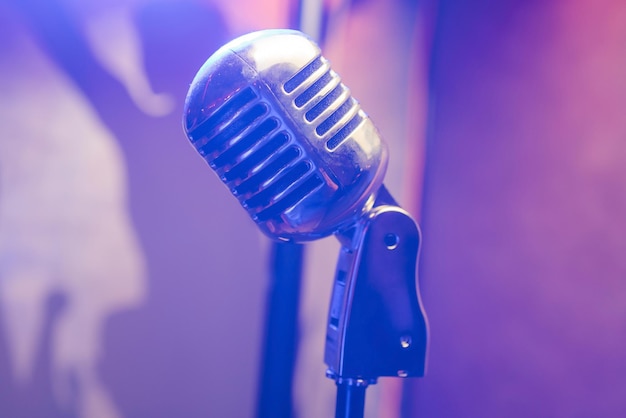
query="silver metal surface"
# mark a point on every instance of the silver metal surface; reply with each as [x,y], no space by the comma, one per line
[279,128]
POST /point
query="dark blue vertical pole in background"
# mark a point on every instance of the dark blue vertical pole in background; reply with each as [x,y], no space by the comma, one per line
[281,332]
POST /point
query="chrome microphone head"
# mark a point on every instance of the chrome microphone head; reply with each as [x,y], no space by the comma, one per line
[279,128]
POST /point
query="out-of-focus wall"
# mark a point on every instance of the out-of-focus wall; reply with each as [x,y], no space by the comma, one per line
[523,266]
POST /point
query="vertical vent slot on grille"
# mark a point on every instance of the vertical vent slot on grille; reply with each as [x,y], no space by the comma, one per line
[309,93]
[335,117]
[236,127]
[254,182]
[299,193]
[325,103]
[223,113]
[264,197]
[344,132]
[241,170]
[247,142]
[303,74]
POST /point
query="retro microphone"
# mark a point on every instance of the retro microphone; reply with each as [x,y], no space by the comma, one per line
[283,133]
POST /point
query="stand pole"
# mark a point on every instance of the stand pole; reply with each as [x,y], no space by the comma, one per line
[350,399]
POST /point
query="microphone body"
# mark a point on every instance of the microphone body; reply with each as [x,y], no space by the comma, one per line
[283,133]
[279,128]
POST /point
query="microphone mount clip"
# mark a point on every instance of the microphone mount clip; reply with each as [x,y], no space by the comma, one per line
[377,326]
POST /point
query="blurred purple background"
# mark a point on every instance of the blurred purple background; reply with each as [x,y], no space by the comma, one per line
[523,268]
[133,285]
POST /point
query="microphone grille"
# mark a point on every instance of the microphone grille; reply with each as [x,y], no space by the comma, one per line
[254,155]
[279,128]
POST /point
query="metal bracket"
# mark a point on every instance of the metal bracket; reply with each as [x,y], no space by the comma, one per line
[376,324]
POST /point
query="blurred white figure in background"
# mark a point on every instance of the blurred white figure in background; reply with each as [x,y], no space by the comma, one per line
[64,224]
[115,43]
